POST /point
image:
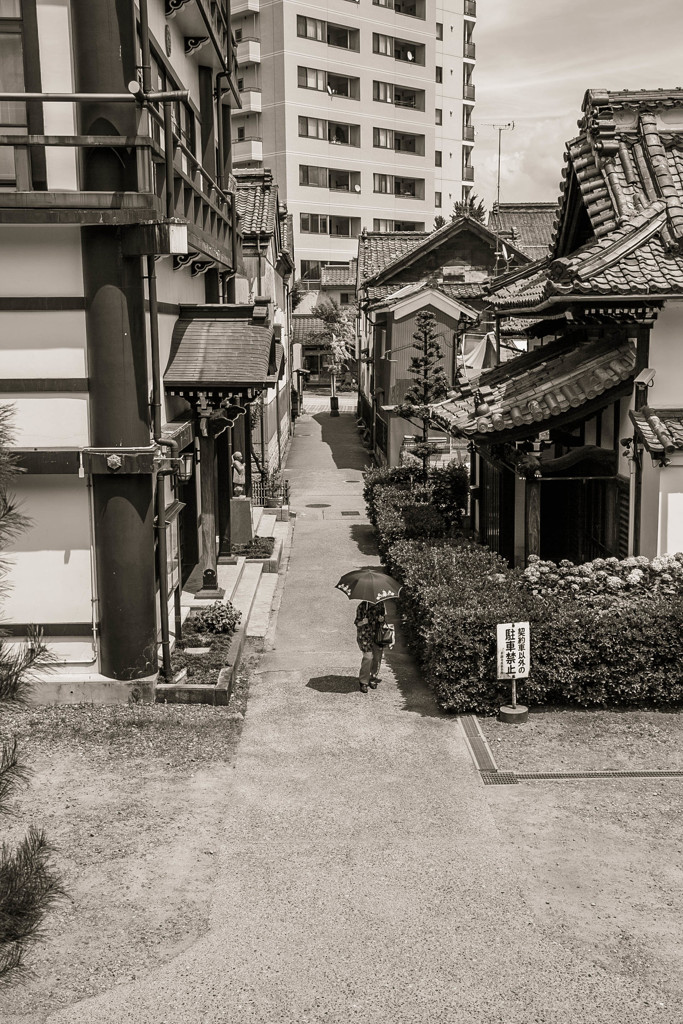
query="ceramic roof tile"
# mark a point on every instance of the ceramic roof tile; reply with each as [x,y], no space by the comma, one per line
[376,250]
[256,201]
[304,326]
[534,388]
[660,430]
[339,277]
[527,225]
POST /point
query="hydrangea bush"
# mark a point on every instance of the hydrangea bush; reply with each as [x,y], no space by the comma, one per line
[611,577]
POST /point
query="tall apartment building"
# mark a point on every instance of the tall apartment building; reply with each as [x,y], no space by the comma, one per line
[363,111]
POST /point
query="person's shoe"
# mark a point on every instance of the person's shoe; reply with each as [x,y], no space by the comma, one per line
[363,688]
[373,682]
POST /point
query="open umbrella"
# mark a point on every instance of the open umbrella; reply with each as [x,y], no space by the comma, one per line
[370,583]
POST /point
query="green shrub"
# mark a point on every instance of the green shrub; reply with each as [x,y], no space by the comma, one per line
[591,654]
[450,492]
[391,507]
[218,617]
[627,578]
[377,478]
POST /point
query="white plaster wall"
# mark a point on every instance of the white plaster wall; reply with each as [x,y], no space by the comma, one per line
[185,67]
[666,357]
[54,40]
[49,420]
[670,509]
[40,260]
[650,541]
[42,344]
[49,564]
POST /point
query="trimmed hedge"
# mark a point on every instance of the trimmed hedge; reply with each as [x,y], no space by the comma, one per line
[454,596]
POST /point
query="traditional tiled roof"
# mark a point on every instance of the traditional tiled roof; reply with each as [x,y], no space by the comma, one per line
[534,388]
[305,326]
[287,232]
[661,430]
[377,249]
[626,168]
[219,346]
[339,277]
[529,226]
[461,290]
[256,201]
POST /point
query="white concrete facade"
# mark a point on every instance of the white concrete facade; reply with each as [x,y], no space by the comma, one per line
[372,130]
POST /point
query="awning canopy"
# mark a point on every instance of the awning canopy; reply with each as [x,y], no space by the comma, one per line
[222,349]
[550,386]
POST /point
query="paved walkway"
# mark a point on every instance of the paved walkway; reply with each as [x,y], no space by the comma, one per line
[364,879]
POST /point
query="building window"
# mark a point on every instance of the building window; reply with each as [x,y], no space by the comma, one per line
[437,200]
[437,158]
[347,39]
[238,35]
[241,133]
[439,74]
[310,270]
[439,30]
[381,224]
[314,224]
[344,181]
[342,85]
[316,176]
[345,298]
[382,44]
[311,78]
[383,92]
[381,341]
[310,28]
[408,225]
[438,116]
[12,112]
[383,183]
[382,138]
[311,128]
[240,85]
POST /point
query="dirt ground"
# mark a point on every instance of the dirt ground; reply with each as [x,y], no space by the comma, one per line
[601,859]
[133,799]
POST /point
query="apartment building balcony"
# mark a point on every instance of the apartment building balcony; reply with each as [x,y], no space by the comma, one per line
[245,7]
[468,92]
[251,100]
[468,133]
[469,50]
[162,192]
[468,174]
[247,149]
[471,8]
[248,51]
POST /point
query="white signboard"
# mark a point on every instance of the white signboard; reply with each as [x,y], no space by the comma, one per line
[513,650]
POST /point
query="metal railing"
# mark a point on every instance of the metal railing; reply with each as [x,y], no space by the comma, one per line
[468,92]
[471,8]
[469,50]
[260,490]
[468,174]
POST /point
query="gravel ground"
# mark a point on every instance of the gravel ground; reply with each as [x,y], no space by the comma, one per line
[133,798]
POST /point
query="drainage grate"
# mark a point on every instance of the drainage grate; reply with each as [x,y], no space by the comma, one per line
[352,481]
[318,505]
[351,513]
[499,778]
[479,748]
[599,775]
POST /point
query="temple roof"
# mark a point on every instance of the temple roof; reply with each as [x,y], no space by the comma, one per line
[529,226]
[533,389]
[256,201]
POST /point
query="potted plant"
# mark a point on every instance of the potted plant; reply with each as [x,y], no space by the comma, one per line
[271,485]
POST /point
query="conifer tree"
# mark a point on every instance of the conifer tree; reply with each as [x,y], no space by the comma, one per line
[28,883]
[430,383]
[472,207]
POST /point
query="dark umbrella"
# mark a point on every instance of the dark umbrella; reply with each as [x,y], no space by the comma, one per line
[369,583]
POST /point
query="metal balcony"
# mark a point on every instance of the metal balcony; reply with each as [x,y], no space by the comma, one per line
[247,150]
[468,174]
[469,50]
[468,92]
[471,8]
[468,133]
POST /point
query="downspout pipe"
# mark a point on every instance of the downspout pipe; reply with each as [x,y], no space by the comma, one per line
[160,510]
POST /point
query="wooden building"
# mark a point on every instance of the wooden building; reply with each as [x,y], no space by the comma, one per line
[118,253]
[579,443]
[400,274]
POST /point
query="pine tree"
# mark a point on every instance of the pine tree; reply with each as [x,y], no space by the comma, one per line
[430,383]
[472,207]
[28,884]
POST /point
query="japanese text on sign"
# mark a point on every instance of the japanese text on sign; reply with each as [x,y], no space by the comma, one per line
[513,650]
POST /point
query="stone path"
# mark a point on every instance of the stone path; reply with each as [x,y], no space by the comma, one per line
[363,877]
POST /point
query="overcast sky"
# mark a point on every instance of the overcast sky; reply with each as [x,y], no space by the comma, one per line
[535,60]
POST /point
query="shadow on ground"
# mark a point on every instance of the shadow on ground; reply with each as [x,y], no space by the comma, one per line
[333,684]
[340,435]
[363,535]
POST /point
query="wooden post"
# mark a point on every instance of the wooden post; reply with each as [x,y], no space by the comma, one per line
[207,483]
[532,518]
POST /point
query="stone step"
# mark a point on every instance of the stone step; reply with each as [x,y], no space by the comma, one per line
[261,609]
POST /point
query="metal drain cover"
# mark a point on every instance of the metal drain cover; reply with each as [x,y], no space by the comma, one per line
[352,481]
[318,505]
[351,513]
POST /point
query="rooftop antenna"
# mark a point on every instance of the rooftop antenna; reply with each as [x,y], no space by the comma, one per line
[500,128]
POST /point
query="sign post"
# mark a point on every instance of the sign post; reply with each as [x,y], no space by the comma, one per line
[512,659]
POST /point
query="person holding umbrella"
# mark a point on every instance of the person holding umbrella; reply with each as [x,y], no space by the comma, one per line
[372,586]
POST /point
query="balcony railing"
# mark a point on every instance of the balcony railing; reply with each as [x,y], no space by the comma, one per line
[471,8]
[468,133]
[168,182]
[468,174]
[469,50]
[468,92]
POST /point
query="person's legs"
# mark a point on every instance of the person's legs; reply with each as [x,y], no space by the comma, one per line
[376,664]
[365,672]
